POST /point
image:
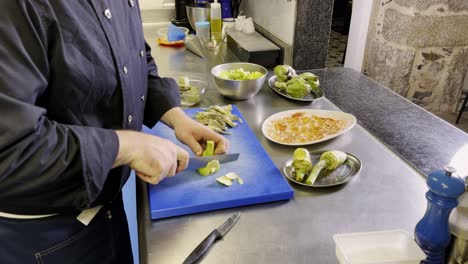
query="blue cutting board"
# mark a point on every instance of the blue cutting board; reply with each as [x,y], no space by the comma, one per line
[188,192]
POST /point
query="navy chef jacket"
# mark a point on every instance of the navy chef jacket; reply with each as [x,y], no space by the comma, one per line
[71,72]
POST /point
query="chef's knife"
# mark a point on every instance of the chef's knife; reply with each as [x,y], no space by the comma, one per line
[218,233]
[199,162]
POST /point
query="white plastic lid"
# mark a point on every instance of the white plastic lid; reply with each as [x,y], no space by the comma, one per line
[387,246]
[214,6]
[202,24]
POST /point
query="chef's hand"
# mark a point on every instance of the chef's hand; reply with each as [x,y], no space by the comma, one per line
[153,158]
[192,133]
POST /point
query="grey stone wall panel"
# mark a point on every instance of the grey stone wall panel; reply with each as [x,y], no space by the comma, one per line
[428,76]
[390,66]
[456,71]
[420,5]
[423,55]
[458,5]
[435,83]
[312,34]
[425,31]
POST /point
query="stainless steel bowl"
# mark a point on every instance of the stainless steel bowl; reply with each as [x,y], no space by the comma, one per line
[197,12]
[242,89]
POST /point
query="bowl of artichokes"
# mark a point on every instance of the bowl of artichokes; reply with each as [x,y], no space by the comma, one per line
[239,80]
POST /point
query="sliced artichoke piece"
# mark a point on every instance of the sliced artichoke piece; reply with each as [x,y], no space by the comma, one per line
[210,168]
[232,176]
[227,108]
[224,180]
[228,121]
[219,130]
[239,180]
[218,118]
[184,83]
[210,147]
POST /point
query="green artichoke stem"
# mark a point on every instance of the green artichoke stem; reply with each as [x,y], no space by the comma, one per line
[315,172]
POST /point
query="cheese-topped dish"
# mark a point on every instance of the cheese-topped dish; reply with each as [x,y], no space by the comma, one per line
[302,127]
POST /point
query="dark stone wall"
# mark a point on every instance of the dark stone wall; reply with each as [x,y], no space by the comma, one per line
[313,23]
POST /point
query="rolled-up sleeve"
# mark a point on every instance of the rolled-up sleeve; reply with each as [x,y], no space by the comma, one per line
[45,166]
[163,93]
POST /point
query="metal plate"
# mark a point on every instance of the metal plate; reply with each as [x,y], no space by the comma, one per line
[326,178]
[309,98]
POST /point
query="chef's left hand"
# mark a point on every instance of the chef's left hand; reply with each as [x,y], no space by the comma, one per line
[192,133]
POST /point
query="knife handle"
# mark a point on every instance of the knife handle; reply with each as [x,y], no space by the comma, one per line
[203,247]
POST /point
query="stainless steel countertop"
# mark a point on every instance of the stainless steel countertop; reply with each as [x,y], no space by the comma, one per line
[387,194]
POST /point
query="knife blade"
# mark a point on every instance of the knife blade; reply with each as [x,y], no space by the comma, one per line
[199,162]
[215,235]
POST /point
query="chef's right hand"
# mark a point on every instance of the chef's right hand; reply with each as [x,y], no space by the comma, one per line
[153,158]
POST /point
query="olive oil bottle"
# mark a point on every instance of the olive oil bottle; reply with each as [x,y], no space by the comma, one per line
[216,22]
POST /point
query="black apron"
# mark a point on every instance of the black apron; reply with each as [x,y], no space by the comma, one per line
[64,239]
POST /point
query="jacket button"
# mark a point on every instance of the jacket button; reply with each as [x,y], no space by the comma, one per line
[107,13]
[108,215]
[142,53]
[125,70]
[129,118]
[142,98]
[131,3]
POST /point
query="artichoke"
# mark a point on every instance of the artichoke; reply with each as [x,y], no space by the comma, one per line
[212,166]
[284,72]
[281,85]
[281,72]
[297,87]
[329,160]
[309,77]
[301,163]
[184,83]
[209,150]
[312,80]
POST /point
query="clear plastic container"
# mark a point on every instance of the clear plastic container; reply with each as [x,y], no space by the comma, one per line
[162,33]
[193,95]
[202,29]
[389,247]
[191,88]
[216,22]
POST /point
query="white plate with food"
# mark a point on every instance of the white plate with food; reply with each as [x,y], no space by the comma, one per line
[306,126]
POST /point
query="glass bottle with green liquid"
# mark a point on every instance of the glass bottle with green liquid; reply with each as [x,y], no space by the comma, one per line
[216,23]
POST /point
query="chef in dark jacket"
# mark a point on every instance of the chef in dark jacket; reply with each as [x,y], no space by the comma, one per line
[77,81]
